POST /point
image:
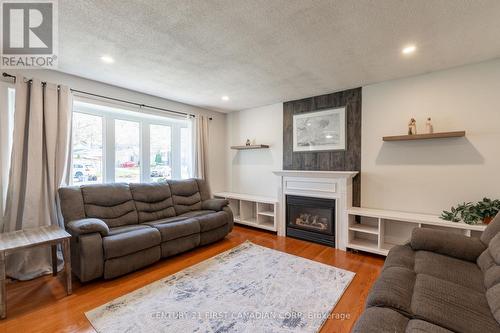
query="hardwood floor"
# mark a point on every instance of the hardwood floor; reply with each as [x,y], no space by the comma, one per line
[41,305]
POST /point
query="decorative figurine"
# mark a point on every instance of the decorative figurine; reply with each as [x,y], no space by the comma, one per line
[248,142]
[412,127]
[428,126]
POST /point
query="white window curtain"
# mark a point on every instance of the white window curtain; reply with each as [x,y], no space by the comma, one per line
[201,146]
[39,164]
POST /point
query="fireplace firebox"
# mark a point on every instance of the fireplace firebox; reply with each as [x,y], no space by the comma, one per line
[311,219]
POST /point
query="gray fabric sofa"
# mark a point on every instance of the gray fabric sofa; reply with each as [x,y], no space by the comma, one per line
[440,282]
[119,228]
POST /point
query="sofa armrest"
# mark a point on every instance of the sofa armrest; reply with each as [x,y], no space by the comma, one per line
[449,244]
[214,204]
[88,226]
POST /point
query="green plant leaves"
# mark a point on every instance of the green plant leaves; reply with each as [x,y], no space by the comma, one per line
[472,213]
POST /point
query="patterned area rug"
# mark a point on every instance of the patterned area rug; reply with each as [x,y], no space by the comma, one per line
[249,288]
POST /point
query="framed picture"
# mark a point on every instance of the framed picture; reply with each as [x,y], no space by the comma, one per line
[322,130]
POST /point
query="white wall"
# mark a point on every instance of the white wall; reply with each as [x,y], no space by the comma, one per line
[250,171]
[424,176]
[429,176]
[218,142]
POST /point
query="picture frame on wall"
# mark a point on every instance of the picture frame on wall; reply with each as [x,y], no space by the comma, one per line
[320,131]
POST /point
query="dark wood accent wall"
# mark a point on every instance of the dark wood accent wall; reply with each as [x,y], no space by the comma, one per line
[346,160]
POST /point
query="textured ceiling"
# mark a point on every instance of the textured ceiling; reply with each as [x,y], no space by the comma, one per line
[260,52]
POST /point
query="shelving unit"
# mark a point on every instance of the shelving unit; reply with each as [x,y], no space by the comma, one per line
[377,231]
[250,147]
[255,211]
[442,135]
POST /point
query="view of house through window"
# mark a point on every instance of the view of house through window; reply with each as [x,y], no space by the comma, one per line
[110,144]
[87,149]
[127,152]
[160,153]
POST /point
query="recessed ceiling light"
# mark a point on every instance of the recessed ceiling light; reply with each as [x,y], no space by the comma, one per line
[107,59]
[409,49]
[225,98]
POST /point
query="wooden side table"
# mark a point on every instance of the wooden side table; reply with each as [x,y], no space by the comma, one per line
[28,238]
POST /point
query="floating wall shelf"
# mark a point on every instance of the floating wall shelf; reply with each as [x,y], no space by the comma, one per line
[250,147]
[442,135]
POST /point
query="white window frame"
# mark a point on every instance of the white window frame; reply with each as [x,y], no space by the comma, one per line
[144,119]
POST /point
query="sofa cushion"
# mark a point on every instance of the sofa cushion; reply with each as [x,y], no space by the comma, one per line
[464,273]
[449,244]
[493,298]
[212,221]
[492,276]
[485,260]
[393,289]
[111,203]
[380,320]
[153,201]
[71,202]
[203,188]
[126,228]
[185,195]
[420,326]
[491,230]
[196,213]
[451,306]
[171,230]
[123,243]
[400,256]
[385,320]
[494,249]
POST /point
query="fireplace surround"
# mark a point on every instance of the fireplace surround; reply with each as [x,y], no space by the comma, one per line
[311,219]
[334,185]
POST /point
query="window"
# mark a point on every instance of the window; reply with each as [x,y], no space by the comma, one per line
[114,144]
[87,149]
[127,151]
[160,154]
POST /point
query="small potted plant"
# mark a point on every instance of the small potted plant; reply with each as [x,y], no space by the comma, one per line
[470,213]
[488,209]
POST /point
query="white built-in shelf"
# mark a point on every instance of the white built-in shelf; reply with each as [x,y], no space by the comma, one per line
[366,245]
[267,213]
[364,228]
[250,147]
[252,210]
[377,231]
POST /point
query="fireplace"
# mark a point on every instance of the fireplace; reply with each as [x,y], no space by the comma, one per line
[311,219]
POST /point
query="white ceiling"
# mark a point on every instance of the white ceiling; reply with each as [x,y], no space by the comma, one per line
[260,52]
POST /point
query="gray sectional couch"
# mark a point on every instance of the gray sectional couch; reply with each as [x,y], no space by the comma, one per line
[440,282]
[119,228]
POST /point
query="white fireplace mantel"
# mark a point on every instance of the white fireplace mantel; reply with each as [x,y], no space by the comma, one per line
[318,184]
[316,174]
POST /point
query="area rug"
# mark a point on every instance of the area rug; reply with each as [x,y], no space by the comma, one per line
[249,288]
